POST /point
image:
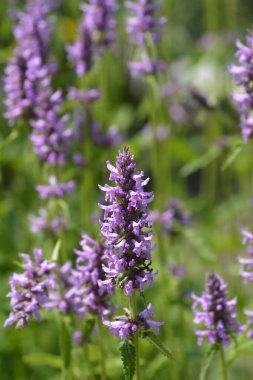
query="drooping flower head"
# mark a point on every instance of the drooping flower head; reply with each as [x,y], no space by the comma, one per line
[243,74]
[126,227]
[215,311]
[29,290]
[90,265]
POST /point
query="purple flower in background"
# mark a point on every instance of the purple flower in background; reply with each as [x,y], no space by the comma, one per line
[126,227]
[28,71]
[177,271]
[96,32]
[247,271]
[43,222]
[111,138]
[77,337]
[29,290]
[81,52]
[51,138]
[125,327]
[68,295]
[145,67]
[215,311]
[243,74]
[83,96]
[55,189]
[174,217]
[142,21]
[100,21]
[142,24]
[27,85]
[90,265]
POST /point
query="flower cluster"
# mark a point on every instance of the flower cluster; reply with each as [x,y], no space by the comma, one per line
[29,290]
[243,74]
[216,312]
[96,32]
[174,217]
[126,227]
[142,25]
[90,263]
[125,327]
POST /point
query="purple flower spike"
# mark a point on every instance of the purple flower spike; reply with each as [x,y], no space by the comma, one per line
[243,74]
[90,265]
[126,227]
[247,271]
[29,290]
[216,312]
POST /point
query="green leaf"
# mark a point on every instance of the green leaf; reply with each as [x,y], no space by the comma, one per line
[56,251]
[239,349]
[153,339]
[232,156]
[88,327]
[206,363]
[127,351]
[200,162]
[44,359]
[65,344]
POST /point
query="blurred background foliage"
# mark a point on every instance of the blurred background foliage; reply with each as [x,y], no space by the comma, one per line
[203,161]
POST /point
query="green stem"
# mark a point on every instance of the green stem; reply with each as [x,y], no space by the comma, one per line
[223,364]
[133,314]
[101,347]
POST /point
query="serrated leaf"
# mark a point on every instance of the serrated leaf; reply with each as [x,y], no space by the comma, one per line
[155,341]
[127,351]
[206,363]
[43,359]
[56,250]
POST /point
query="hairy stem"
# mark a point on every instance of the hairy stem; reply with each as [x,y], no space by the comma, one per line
[133,314]
[101,347]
